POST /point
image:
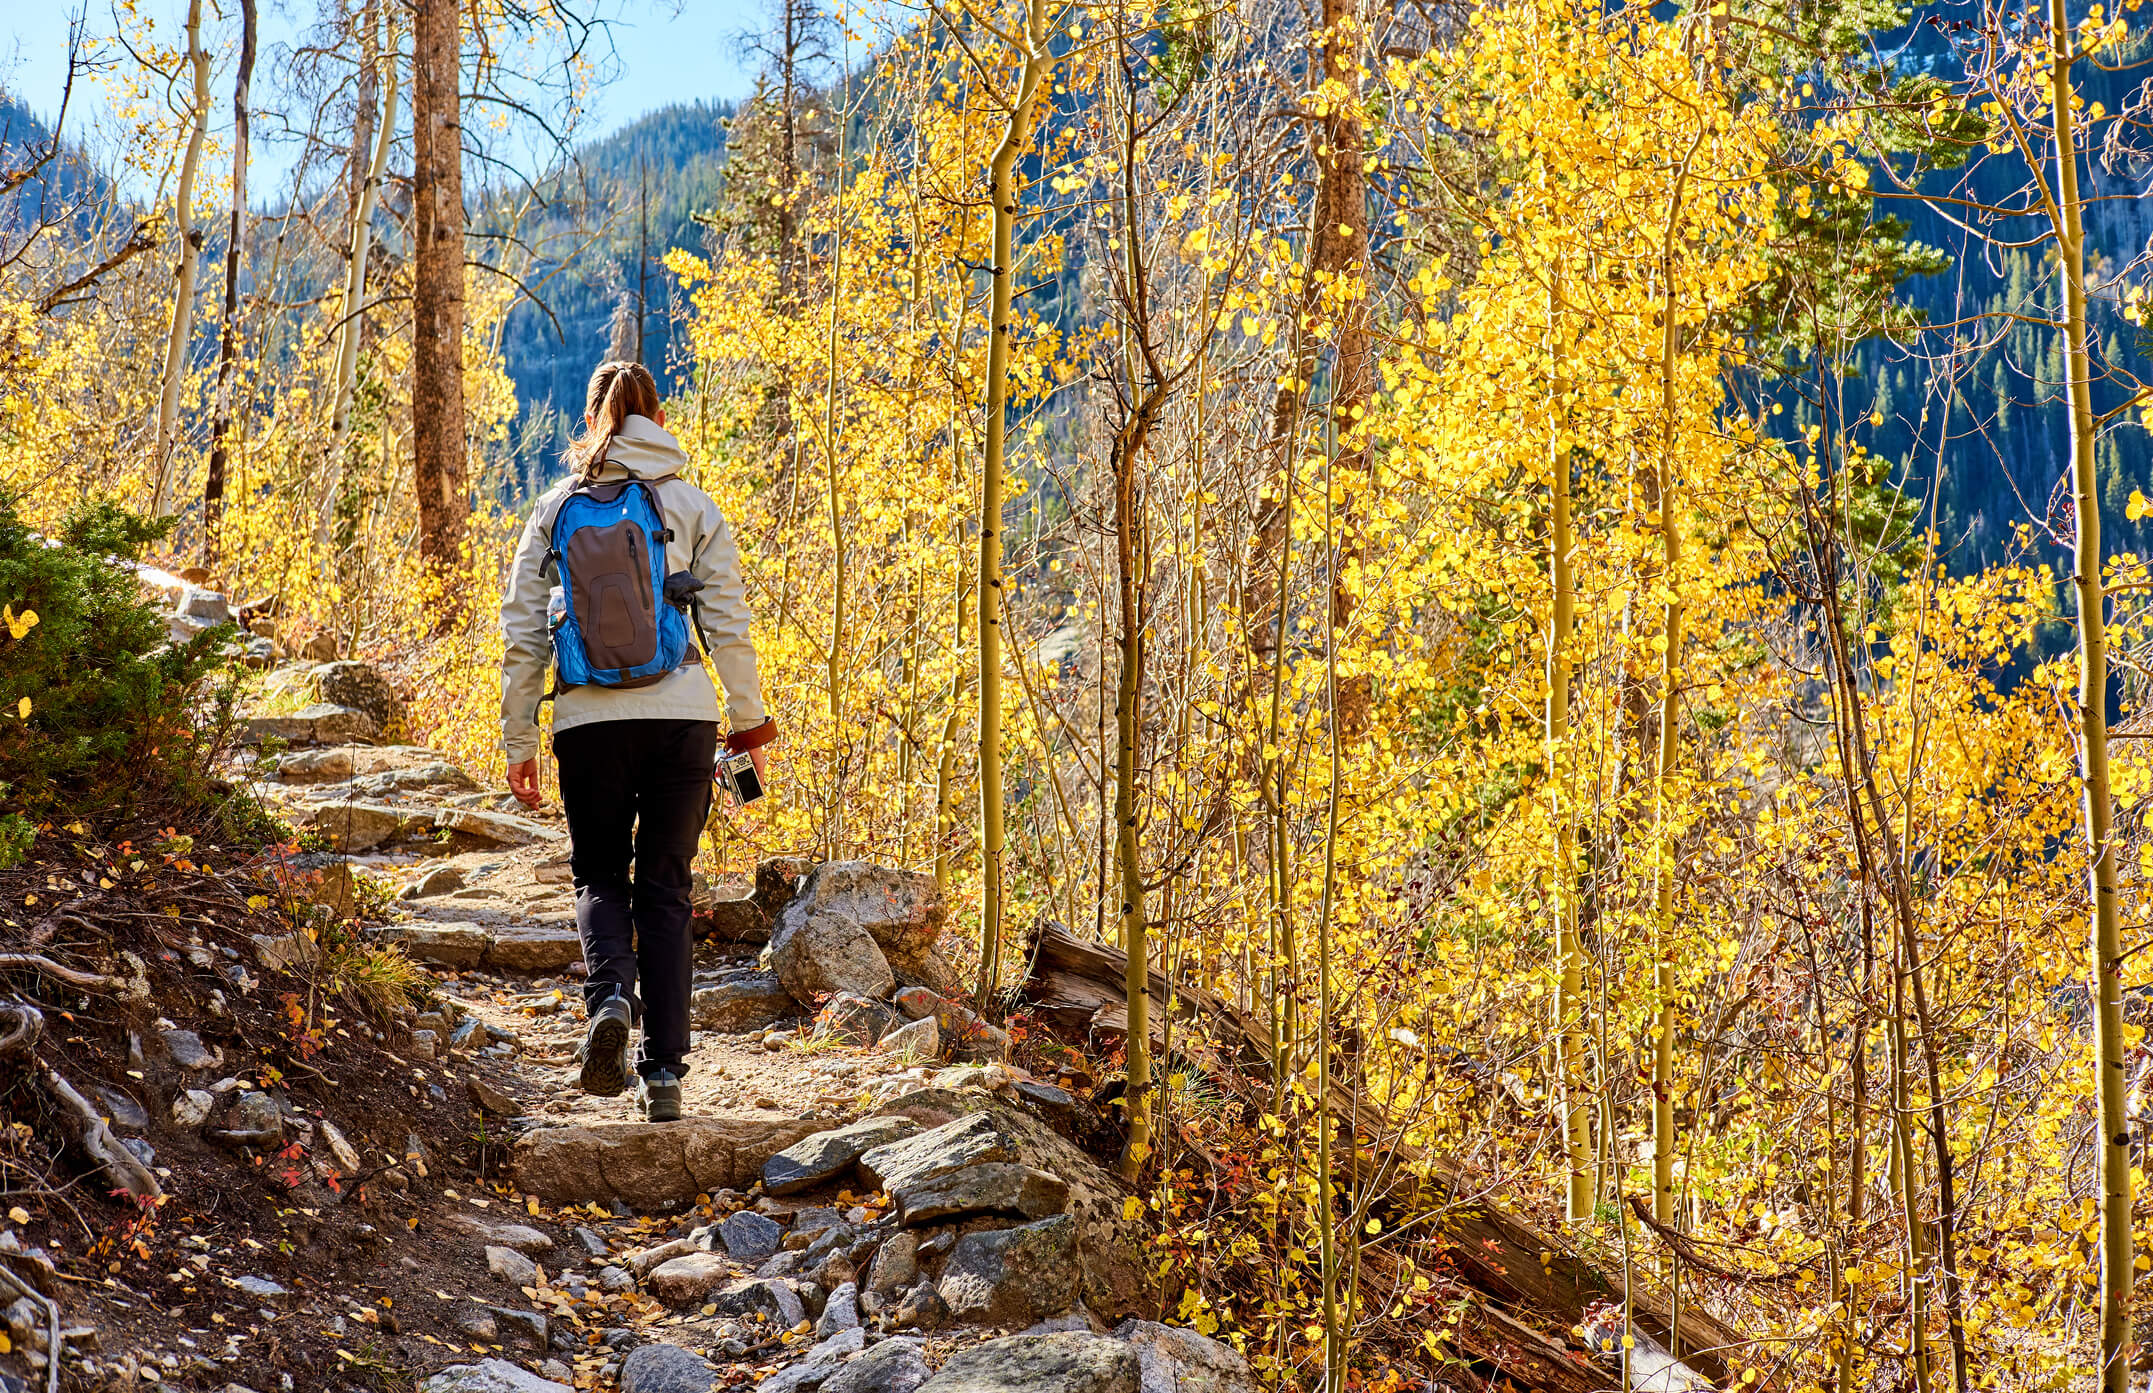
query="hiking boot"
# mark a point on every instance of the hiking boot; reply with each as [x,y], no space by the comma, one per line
[657,1096]
[605,1049]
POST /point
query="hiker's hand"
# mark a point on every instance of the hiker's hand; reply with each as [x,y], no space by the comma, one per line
[523,782]
[761,756]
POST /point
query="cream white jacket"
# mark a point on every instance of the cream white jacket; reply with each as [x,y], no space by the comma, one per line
[702,543]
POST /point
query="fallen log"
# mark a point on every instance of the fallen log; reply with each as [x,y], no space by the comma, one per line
[1075,987]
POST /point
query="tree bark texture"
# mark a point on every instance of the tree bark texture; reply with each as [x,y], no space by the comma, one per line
[437,402]
[189,268]
[228,345]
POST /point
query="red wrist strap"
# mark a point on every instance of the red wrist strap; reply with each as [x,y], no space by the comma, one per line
[754,737]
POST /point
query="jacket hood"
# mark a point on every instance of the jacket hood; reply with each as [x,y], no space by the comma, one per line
[643,450]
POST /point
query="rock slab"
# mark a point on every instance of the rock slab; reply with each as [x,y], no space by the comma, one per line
[827,1155]
[490,1376]
[1173,1360]
[992,1187]
[1071,1362]
[894,1366]
[966,1141]
[646,1165]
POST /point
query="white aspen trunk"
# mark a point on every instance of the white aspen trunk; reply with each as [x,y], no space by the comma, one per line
[190,265]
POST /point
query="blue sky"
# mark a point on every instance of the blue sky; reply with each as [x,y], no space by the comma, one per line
[670,51]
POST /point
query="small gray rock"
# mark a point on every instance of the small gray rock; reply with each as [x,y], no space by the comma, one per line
[685,1280]
[922,1039]
[614,1281]
[256,1121]
[121,1109]
[192,1108]
[822,1361]
[524,1327]
[511,1266]
[438,881]
[593,1242]
[261,1288]
[188,1052]
[750,1237]
[894,1366]
[768,1296]
[896,1266]
[740,1003]
[665,1369]
[840,1312]
[827,953]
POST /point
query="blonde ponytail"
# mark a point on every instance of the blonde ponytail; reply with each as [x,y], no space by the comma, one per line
[619,389]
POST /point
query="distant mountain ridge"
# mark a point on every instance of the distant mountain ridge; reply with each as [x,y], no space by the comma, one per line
[636,192]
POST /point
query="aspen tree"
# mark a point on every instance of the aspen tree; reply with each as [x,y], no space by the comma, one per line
[2066,210]
[221,426]
[189,268]
[1569,953]
[1029,45]
[370,164]
[1669,503]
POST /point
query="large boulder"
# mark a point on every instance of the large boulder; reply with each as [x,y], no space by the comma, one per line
[825,1156]
[970,1140]
[1109,1247]
[361,687]
[649,1165]
[533,947]
[1012,1277]
[318,724]
[740,1002]
[899,909]
[1070,1362]
[494,829]
[1173,1360]
[353,827]
[726,911]
[824,954]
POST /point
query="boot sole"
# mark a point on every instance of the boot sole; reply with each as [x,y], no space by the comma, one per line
[662,1112]
[603,1076]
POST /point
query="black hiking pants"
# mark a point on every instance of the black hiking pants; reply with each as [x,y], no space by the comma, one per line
[638,792]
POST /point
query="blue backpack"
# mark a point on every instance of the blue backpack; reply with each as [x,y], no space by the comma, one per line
[615,617]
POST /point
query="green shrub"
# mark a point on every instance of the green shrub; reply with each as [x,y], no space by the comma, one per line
[117,719]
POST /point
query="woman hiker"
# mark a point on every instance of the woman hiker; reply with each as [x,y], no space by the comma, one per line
[597,592]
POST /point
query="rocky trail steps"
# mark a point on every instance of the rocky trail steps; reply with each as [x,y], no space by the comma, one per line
[867,1195]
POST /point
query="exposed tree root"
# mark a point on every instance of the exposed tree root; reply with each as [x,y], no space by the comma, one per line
[24,1027]
[124,1168]
[73,976]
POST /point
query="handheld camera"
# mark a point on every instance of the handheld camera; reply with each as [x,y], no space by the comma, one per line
[736,775]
